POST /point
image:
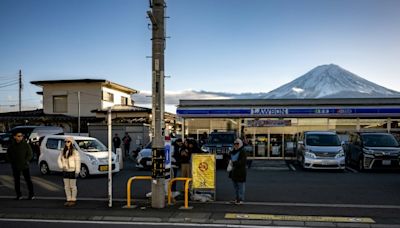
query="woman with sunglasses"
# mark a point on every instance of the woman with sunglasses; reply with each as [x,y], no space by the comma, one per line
[70,163]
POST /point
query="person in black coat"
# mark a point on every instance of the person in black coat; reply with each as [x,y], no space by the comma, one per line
[176,160]
[238,173]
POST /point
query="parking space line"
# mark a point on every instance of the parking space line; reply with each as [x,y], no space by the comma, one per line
[351,169]
[291,166]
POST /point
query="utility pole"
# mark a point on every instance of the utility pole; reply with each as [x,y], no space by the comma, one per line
[20,89]
[156,16]
[79,112]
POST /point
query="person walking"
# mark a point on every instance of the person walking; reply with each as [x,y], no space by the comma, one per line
[185,160]
[127,143]
[238,171]
[70,163]
[116,142]
[19,154]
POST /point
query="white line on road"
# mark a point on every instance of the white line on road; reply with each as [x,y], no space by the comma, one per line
[292,167]
[351,169]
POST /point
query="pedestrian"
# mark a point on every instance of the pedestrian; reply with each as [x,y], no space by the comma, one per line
[238,171]
[69,162]
[116,142]
[19,154]
[127,143]
[176,161]
[185,160]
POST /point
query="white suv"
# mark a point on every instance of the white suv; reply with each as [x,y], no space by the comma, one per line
[94,155]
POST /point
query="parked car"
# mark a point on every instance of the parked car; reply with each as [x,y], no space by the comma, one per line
[320,150]
[143,158]
[220,143]
[33,135]
[373,151]
[93,154]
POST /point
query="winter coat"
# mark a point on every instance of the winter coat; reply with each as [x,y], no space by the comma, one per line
[70,164]
[19,155]
[239,172]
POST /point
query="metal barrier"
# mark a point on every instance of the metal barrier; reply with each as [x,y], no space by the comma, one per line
[128,188]
[187,180]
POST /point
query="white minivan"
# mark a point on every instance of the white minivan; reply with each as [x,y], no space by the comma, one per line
[94,155]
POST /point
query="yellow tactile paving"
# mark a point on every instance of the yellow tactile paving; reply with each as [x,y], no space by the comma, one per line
[298,218]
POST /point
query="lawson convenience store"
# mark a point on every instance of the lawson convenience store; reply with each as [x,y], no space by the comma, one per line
[271,127]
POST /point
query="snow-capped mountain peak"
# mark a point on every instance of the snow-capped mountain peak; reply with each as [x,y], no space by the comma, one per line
[330,81]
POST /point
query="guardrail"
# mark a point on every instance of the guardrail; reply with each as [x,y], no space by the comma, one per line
[128,188]
[187,180]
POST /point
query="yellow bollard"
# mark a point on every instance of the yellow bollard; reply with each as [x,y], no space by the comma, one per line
[128,188]
[187,181]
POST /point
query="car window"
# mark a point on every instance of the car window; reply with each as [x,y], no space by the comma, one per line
[379,140]
[322,140]
[91,145]
[221,138]
[52,144]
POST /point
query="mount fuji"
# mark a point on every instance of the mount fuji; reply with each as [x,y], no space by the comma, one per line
[330,81]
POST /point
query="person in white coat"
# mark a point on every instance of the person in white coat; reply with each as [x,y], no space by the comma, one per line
[70,163]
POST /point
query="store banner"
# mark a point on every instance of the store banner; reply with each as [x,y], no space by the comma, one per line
[268,123]
[203,171]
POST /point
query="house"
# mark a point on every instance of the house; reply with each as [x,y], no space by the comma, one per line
[79,97]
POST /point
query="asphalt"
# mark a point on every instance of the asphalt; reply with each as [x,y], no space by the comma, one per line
[47,208]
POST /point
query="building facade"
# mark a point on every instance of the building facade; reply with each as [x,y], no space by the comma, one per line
[271,127]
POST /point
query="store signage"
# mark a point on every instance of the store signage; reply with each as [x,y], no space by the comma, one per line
[269,111]
[268,123]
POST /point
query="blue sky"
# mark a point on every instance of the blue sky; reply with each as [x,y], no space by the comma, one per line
[215,45]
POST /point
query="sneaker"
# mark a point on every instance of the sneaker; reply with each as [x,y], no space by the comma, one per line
[31,197]
[233,202]
[19,198]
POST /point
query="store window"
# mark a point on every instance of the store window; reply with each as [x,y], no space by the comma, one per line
[60,104]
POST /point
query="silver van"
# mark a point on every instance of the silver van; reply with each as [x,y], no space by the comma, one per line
[320,150]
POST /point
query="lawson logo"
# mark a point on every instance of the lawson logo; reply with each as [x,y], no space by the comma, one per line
[269,111]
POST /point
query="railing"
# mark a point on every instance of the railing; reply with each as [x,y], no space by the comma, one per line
[128,188]
[187,180]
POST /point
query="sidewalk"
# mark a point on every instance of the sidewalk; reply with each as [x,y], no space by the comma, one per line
[202,213]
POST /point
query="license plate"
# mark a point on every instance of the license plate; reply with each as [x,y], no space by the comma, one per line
[103,168]
[219,156]
[386,162]
[148,163]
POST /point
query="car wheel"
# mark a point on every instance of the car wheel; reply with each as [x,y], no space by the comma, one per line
[361,164]
[84,173]
[44,168]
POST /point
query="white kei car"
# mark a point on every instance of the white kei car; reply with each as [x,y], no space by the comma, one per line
[93,154]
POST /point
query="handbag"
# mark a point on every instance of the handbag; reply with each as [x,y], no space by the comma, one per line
[230,166]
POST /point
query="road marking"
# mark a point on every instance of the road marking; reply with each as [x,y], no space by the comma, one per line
[299,218]
[351,169]
[291,166]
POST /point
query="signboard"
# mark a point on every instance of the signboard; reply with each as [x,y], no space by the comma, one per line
[203,171]
[268,123]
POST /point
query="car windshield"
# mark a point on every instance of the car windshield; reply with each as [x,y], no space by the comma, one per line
[322,140]
[91,145]
[222,138]
[379,140]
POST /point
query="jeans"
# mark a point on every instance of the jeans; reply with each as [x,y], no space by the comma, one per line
[17,181]
[239,190]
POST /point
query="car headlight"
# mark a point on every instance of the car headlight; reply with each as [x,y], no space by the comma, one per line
[205,149]
[340,154]
[92,159]
[368,151]
[309,155]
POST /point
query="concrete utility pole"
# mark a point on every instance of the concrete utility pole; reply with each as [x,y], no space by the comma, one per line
[158,148]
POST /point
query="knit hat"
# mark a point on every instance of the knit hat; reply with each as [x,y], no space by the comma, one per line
[239,141]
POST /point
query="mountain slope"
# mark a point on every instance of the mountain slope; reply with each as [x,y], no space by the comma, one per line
[330,81]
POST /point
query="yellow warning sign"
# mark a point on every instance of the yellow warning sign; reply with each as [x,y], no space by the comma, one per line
[298,218]
[203,171]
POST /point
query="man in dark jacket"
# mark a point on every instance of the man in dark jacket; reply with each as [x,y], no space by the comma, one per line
[19,154]
[176,160]
[238,173]
[116,142]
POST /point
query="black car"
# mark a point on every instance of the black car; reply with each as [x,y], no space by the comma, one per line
[220,143]
[373,151]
